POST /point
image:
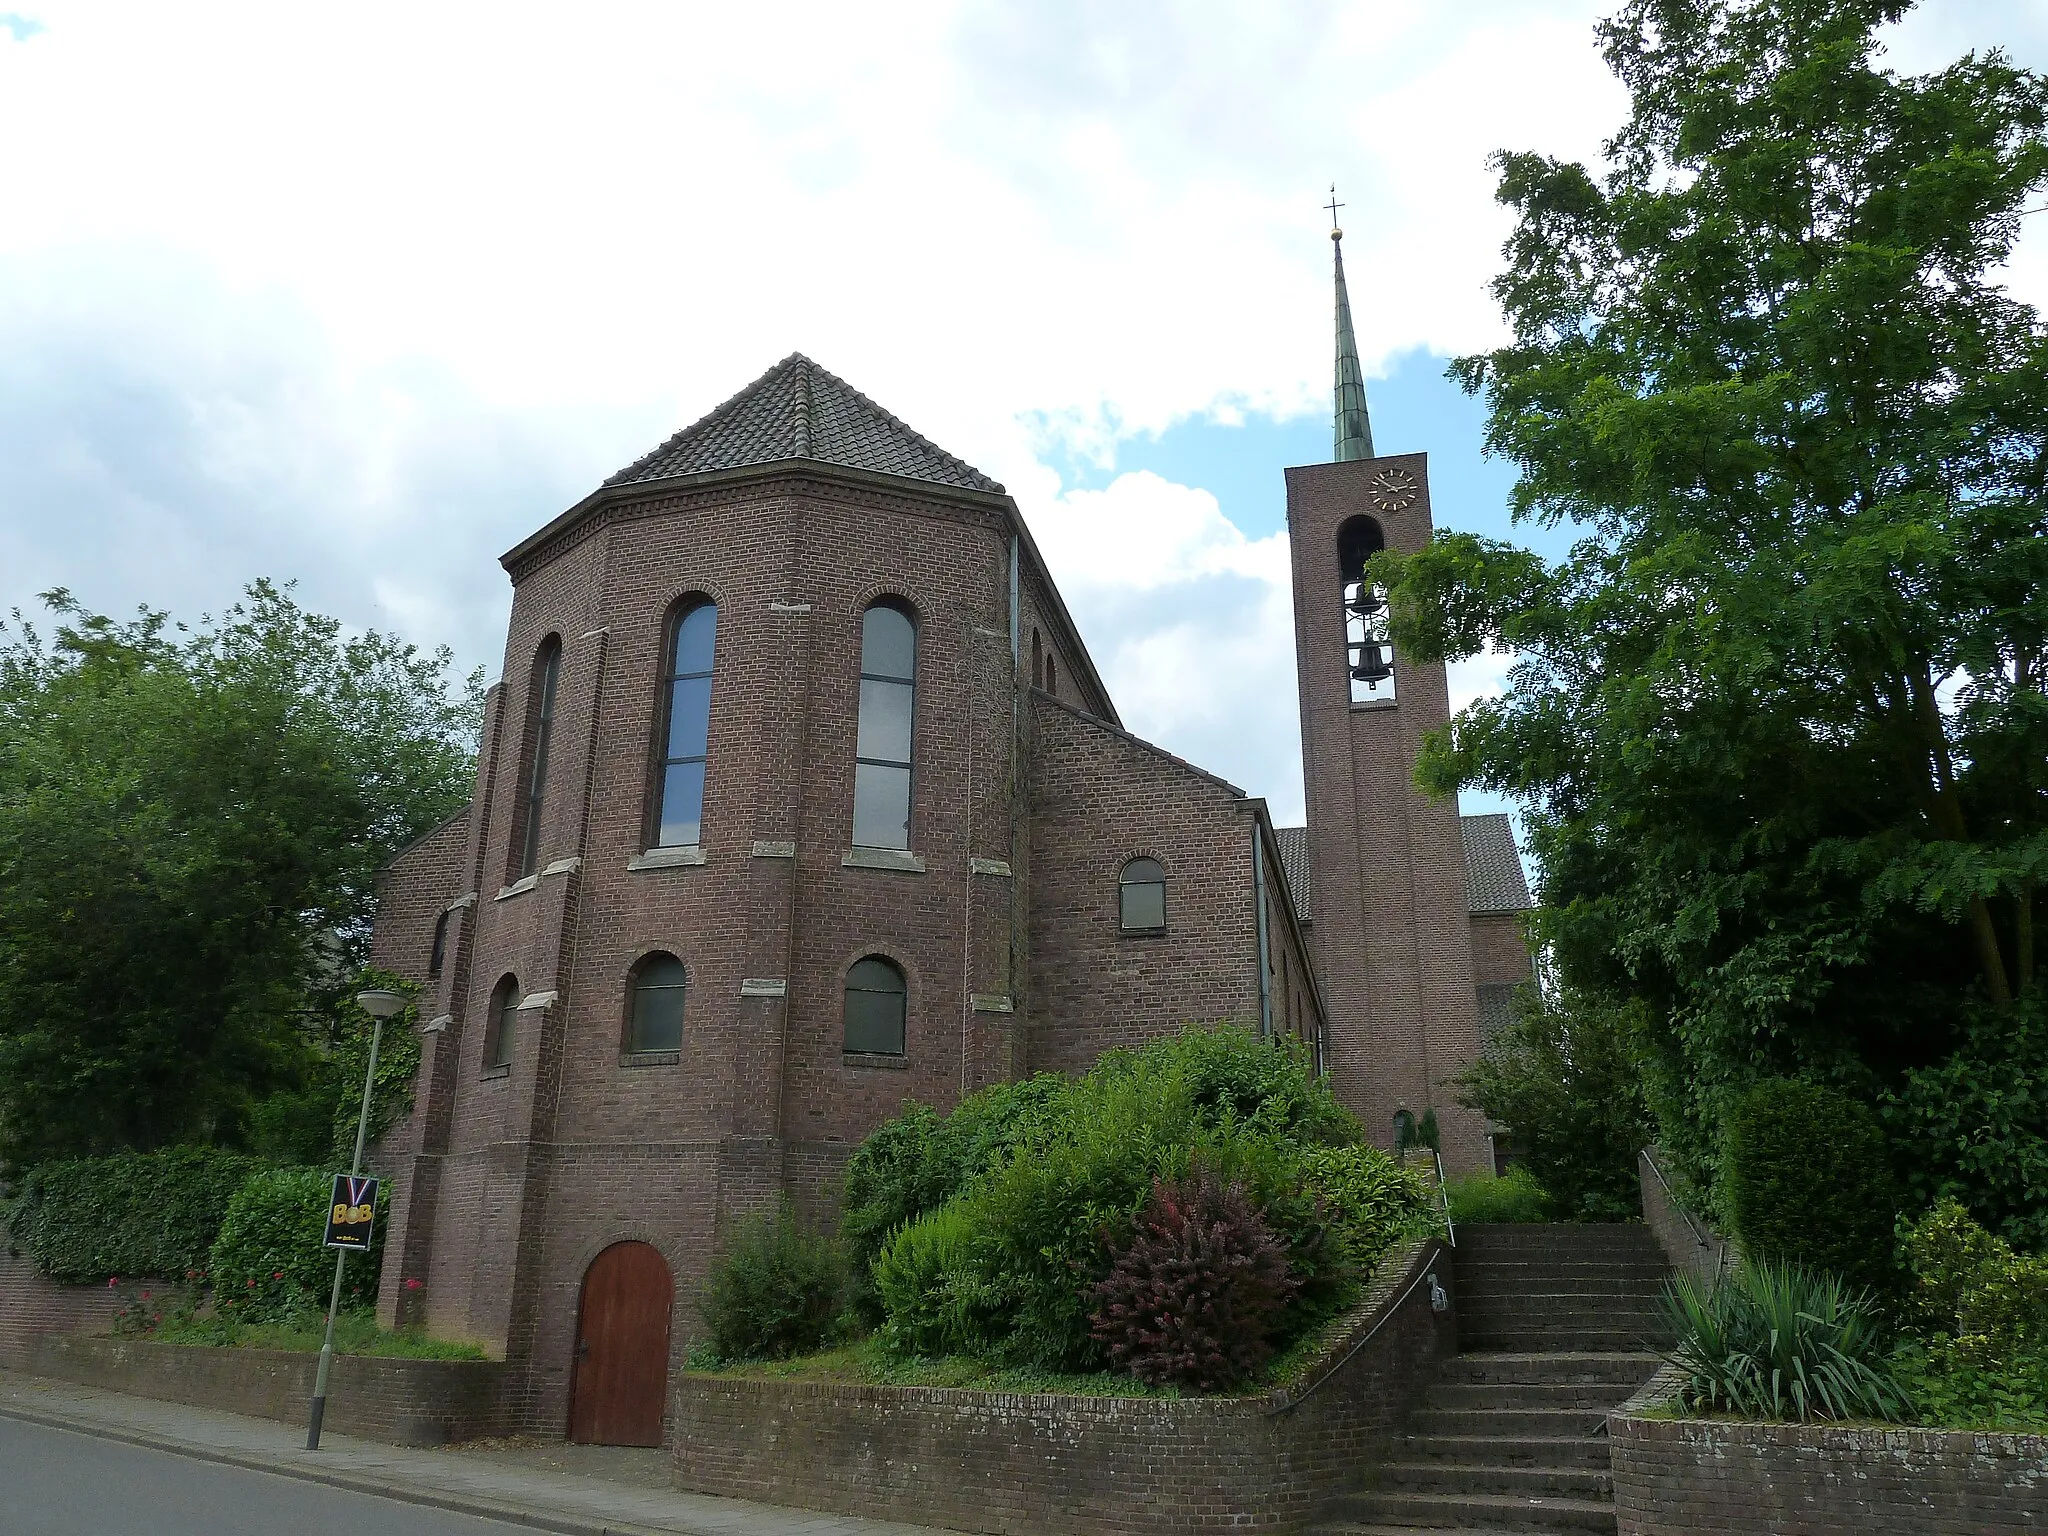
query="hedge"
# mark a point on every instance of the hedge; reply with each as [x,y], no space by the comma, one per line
[267,1261]
[145,1214]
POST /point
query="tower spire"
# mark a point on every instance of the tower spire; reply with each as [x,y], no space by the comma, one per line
[1354,426]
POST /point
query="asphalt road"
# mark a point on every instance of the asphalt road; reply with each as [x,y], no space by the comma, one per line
[56,1483]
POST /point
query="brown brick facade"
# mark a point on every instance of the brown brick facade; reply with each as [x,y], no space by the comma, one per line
[1027,800]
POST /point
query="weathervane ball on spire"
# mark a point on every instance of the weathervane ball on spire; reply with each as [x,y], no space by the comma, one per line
[1336,234]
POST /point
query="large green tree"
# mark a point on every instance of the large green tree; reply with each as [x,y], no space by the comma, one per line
[191,824]
[1779,715]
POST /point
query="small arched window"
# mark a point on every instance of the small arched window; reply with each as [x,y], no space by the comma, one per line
[1052,677]
[1368,651]
[547,671]
[876,1004]
[1142,893]
[888,701]
[1037,661]
[686,705]
[655,1022]
[437,952]
[502,1028]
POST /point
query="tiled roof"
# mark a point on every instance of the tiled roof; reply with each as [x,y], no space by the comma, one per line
[1294,863]
[797,410]
[1493,869]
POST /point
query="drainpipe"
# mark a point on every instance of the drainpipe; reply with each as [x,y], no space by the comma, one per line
[1265,968]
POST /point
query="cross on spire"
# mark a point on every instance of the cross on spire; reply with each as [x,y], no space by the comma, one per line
[1354,426]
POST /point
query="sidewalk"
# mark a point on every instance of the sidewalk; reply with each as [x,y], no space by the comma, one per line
[574,1489]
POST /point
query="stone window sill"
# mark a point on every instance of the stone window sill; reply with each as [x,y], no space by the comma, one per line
[650,1058]
[1143,933]
[902,860]
[1363,704]
[875,1060]
[518,887]
[668,858]
[492,1074]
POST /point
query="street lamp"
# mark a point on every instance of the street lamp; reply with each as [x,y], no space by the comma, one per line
[380,1004]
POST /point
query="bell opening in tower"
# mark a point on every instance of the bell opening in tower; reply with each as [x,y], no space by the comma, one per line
[1368,648]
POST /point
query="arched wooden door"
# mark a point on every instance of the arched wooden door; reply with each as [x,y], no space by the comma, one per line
[621,1373]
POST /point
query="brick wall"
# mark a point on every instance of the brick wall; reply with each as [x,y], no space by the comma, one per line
[401,1402]
[32,1304]
[1691,1245]
[1714,1477]
[1039,1463]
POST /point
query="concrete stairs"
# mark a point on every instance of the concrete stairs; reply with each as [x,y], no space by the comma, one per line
[1558,1325]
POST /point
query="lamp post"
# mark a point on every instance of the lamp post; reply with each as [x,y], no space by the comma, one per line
[380,1005]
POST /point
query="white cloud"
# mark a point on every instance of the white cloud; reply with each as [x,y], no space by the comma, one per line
[366,295]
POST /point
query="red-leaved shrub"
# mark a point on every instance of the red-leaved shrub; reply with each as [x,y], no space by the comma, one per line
[1198,1284]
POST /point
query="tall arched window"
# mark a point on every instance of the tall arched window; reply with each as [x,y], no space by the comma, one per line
[437,953]
[1052,677]
[501,1029]
[547,671]
[1368,652]
[1037,661]
[679,808]
[888,699]
[655,1022]
[876,1003]
[1141,891]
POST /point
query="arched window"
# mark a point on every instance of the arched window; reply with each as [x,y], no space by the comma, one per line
[686,703]
[876,1001]
[888,699]
[1142,891]
[502,1027]
[1037,661]
[655,1022]
[1368,652]
[1052,677]
[437,953]
[547,671]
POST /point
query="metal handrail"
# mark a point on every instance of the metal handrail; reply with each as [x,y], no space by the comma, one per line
[1443,1196]
[1294,1400]
[1700,1237]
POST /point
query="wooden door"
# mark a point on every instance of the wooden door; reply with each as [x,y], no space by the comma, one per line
[620,1380]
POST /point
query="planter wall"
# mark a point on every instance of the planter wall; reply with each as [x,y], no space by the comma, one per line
[1719,1477]
[1027,1464]
[32,1304]
[403,1402]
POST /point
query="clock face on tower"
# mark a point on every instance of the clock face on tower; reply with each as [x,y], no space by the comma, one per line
[1393,490]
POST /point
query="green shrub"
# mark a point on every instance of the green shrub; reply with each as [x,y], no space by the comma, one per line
[920,1160]
[1005,1275]
[1808,1181]
[141,1214]
[1563,1081]
[1974,1125]
[267,1263]
[1965,1384]
[1372,1201]
[1514,1196]
[1196,1288]
[777,1291]
[1778,1341]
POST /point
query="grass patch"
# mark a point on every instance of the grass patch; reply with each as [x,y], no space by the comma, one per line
[355,1333]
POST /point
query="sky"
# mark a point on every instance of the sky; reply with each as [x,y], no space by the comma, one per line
[361,298]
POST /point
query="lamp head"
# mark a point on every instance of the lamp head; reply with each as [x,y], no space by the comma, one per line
[379,1003]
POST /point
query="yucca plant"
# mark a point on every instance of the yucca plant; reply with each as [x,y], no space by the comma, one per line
[1777,1341]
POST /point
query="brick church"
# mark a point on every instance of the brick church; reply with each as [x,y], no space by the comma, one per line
[800,798]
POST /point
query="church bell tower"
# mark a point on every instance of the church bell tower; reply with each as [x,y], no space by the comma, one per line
[1387,892]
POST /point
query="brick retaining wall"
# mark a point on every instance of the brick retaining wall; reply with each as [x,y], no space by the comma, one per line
[1024,1464]
[402,1402]
[1720,1477]
[32,1304]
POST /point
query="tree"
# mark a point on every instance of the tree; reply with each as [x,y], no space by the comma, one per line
[1562,1080]
[191,824]
[1779,716]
